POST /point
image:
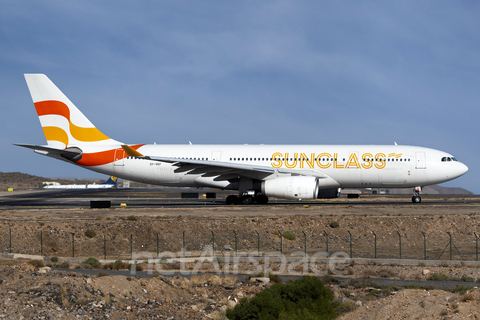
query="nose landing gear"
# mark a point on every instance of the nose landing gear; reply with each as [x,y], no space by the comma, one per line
[416,195]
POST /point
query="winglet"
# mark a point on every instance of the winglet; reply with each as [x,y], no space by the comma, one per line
[131,152]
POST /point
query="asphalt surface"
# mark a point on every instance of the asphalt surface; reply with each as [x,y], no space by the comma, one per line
[159,197]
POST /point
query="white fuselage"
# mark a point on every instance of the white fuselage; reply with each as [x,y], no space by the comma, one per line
[347,166]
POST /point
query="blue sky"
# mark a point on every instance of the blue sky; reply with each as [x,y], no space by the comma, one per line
[272,72]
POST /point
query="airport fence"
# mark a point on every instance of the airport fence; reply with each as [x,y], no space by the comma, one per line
[377,244]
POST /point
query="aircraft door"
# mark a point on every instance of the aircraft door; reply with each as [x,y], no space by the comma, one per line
[420,162]
[118,157]
[216,155]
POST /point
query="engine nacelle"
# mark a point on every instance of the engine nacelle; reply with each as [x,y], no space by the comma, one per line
[297,187]
[328,193]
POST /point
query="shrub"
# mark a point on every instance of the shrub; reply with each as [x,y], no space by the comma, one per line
[132,218]
[37,263]
[289,235]
[64,265]
[275,278]
[345,307]
[461,290]
[117,265]
[438,277]
[305,298]
[330,279]
[54,259]
[136,266]
[102,274]
[465,278]
[334,224]
[93,262]
[90,233]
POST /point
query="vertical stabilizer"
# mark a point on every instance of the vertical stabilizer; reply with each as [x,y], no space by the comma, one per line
[63,124]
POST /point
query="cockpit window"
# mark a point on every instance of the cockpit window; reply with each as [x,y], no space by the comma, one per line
[446,159]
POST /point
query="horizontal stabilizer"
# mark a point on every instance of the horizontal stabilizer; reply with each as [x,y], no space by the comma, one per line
[73,154]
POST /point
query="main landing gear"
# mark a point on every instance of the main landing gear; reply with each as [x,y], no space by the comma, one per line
[247,199]
[416,195]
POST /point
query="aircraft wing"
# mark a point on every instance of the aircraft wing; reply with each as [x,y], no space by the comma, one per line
[223,170]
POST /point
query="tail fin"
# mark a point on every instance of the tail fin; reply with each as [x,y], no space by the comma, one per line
[111,180]
[63,124]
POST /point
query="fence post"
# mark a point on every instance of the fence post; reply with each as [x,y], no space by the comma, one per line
[104,248]
[235,243]
[351,252]
[375,235]
[424,246]
[476,246]
[326,238]
[184,244]
[450,244]
[400,243]
[305,242]
[73,245]
[258,245]
[213,243]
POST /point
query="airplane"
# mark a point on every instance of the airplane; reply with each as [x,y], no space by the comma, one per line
[255,172]
[109,184]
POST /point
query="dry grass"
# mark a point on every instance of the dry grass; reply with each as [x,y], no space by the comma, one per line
[369,273]
[468,297]
[37,263]
[386,273]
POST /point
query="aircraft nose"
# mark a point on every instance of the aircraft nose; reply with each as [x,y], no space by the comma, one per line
[460,169]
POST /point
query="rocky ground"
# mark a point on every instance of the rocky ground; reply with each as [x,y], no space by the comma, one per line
[29,292]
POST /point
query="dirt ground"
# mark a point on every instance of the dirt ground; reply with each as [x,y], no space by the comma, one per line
[27,293]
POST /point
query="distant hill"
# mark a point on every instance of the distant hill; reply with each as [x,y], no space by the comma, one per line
[23,181]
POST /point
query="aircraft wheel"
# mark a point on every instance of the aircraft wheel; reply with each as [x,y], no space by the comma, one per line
[247,199]
[261,199]
[416,199]
[232,199]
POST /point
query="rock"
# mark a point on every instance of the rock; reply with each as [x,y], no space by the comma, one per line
[44,270]
[358,303]
[194,308]
[231,304]
[89,280]
[223,308]
[227,247]
[26,267]
[144,291]
[240,294]
[425,272]
[263,280]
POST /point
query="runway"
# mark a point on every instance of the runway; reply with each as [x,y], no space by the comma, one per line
[160,197]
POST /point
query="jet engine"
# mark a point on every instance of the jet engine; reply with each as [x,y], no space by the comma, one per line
[296,187]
